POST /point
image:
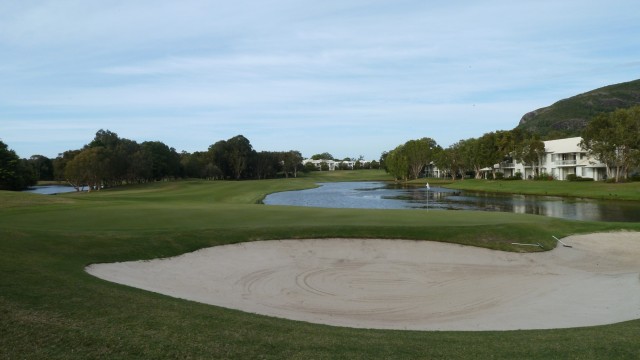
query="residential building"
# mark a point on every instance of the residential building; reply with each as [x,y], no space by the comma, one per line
[333,164]
[562,157]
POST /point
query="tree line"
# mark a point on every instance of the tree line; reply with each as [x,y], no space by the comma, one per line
[612,138]
[465,157]
[109,160]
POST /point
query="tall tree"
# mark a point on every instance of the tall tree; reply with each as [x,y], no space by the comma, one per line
[42,167]
[323,156]
[266,164]
[166,161]
[490,151]
[530,152]
[217,155]
[452,159]
[239,152]
[141,166]
[396,163]
[291,160]
[15,173]
[613,138]
[419,153]
[90,167]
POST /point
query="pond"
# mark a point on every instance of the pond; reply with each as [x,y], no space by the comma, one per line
[379,195]
[50,189]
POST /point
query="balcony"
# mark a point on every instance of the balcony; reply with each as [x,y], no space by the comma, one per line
[565,162]
[505,165]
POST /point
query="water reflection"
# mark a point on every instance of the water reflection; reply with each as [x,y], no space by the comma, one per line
[377,195]
[50,189]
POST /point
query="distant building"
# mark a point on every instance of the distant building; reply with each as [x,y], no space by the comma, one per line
[334,164]
[562,157]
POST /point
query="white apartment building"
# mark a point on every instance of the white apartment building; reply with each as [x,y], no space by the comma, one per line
[332,164]
[562,157]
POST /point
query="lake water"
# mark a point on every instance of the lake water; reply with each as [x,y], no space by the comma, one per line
[379,195]
[50,189]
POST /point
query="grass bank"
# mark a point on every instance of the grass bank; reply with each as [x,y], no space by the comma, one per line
[591,189]
[50,308]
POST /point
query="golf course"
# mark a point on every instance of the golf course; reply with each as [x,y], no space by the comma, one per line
[51,308]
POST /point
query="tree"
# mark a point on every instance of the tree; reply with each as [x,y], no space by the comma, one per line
[166,161]
[60,164]
[105,139]
[141,166]
[42,167]
[323,156]
[15,173]
[266,164]
[530,152]
[308,167]
[232,157]
[489,151]
[291,160]
[239,152]
[192,165]
[613,138]
[419,153]
[90,167]
[396,163]
[217,155]
[452,159]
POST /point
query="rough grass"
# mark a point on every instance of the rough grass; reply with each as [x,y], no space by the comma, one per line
[50,308]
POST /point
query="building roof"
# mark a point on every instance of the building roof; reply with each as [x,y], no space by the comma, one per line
[561,146]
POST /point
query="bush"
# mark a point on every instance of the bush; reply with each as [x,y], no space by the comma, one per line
[308,167]
[499,176]
[574,177]
[517,176]
[544,177]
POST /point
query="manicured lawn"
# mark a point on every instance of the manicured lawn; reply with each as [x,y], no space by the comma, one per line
[50,308]
[594,190]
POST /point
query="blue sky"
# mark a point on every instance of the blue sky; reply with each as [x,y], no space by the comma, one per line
[346,77]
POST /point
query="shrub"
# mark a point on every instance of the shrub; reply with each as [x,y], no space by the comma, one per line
[499,176]
[574,177]
[544,177]
[310,167]
[517,176]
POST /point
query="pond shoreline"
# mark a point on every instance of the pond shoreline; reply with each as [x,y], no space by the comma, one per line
[389,195]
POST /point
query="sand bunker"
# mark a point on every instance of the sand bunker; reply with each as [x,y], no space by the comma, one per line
[400,284]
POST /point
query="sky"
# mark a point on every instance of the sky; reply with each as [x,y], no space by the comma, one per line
[349,77]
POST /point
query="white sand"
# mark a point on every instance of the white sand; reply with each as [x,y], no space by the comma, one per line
[400,284]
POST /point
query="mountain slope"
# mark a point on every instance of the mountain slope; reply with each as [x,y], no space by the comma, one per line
[569,116]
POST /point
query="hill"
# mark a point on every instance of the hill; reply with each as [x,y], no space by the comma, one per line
[569,116]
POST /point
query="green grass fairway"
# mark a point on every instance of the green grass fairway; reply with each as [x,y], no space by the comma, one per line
[50,308]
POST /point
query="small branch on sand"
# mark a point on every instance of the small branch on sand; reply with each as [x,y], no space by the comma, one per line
[560,241]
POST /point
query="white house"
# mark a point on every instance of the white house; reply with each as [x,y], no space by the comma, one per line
[332,164]
[562,157]
[318,163]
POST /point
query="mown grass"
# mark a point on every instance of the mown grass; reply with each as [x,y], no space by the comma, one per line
[588,189]
[50,308]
